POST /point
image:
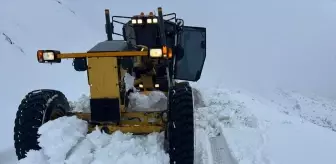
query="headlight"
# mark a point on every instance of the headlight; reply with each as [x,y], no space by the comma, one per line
[48,56]
[155,53]
[140,86]
[156,85]
[137,21]
[150,20]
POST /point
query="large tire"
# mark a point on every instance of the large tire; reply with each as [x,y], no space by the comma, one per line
[180,128]
[37,108]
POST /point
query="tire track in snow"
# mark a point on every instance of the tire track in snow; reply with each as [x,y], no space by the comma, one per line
[214,144]
[240,123]
[220,151]
[261,154]
[202,148]
[223,111]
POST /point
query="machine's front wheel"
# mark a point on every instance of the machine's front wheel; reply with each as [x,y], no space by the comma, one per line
[37,108]
[180,131]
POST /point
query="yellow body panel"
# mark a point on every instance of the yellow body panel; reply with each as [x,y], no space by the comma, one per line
[103,77]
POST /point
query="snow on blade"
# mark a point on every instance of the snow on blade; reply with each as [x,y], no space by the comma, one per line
[64,140]
[81,105]
[129,81]
[154,101]
[59,136]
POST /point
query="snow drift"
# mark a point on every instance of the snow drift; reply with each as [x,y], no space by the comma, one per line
[257,132]
[252,127]
[65,141]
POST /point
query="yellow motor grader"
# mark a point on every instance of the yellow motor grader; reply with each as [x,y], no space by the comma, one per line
[158,51]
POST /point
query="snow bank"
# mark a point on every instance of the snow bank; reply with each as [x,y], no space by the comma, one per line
[65,141]
[257,132]
[254,130]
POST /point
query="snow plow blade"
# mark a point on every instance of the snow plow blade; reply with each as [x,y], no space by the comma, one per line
[131,122]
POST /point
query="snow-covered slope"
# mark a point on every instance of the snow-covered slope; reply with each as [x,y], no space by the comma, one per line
[257,132]
[25,27]
[310,107]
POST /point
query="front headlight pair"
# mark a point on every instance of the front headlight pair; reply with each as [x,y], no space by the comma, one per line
[148,20]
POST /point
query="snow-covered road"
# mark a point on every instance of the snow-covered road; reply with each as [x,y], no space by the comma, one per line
[233,127]
[258,131]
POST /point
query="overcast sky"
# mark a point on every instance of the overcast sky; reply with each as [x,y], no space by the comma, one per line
[264,44]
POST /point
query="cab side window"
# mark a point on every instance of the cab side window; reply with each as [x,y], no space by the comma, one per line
[190,66]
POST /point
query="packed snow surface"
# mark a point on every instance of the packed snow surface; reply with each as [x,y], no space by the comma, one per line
[257,132]
[253,128]
[65,141]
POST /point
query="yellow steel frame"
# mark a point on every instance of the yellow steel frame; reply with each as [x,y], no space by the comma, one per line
[102,54]
[133,122]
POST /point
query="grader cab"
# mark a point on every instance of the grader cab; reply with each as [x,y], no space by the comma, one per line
[155,51]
